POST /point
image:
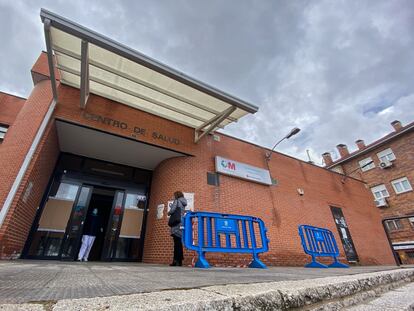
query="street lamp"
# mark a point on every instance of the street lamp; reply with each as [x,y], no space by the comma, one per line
[294,131]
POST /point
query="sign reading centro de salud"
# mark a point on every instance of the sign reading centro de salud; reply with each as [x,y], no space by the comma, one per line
[135,131]
[241,170]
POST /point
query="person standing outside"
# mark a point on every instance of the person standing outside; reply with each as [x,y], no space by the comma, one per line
[176,212]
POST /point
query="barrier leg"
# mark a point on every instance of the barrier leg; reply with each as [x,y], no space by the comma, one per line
[315,264]
[337,264]
[257,263]
[202,261]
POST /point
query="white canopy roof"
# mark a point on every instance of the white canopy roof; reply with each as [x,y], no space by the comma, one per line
[96,64]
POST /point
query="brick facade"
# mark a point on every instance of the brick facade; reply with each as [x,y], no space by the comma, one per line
[280,206]
[21,215]
[10,107]
[14,148]
[403,166]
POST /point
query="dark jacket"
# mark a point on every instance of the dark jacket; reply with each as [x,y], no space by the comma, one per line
[180,203]
[92,225]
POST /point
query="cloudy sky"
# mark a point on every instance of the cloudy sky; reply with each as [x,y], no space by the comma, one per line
[339,70]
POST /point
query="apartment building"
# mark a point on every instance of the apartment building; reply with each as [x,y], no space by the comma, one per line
[387,167]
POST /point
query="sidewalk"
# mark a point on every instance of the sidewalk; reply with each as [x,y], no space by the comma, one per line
[29,280]
[352,290]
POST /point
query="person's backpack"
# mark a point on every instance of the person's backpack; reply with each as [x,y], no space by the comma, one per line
[175,218]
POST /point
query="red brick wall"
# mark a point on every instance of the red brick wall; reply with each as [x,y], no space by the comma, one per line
[40,69]
[21,135]
[22,213]
[13,151]
[399,204]
[280,206]
[10,106]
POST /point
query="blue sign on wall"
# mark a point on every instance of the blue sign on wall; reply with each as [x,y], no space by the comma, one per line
[226,225]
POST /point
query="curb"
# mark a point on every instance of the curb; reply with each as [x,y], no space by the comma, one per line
[330,293]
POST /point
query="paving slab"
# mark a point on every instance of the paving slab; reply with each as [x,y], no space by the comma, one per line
[317,294]
[23,281]
[398,299]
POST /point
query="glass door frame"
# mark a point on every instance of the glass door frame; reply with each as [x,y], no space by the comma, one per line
[109,228]
[70,221]
[143,227]
[39,212]
[25,253]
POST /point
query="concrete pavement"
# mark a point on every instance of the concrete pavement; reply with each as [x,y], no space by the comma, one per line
[324,293]
[28,280]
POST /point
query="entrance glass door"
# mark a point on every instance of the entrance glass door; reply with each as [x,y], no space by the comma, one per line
[77,187]
[51,226]
[131,235]
[73,233]
[114,225]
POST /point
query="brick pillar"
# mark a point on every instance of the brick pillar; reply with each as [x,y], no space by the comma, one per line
[15,146]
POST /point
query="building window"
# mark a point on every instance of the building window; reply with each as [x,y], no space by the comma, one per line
[410,254]
[411,220]
[363,164]
[380,192]
[3,131]
[393,225]
[401,185]
[386,155]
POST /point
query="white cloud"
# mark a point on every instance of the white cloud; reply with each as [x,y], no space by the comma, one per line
[339,70]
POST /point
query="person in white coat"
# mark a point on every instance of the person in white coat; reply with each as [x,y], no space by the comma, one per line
[92,228]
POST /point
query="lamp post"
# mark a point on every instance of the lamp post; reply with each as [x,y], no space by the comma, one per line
[294,131]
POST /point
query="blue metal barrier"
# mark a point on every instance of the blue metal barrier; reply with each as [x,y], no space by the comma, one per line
[319,242]
[210,227]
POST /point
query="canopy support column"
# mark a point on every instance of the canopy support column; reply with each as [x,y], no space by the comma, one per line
[50,58]
[84,76]
[213,122]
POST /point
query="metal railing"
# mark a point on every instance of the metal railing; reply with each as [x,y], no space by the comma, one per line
[225,233]
[319,242]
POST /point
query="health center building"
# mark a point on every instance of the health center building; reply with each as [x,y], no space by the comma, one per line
[108,128]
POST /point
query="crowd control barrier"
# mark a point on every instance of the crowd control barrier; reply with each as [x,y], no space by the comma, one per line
[224,233]
[320,242]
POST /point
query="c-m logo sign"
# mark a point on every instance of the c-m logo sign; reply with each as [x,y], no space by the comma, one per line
[228,165]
